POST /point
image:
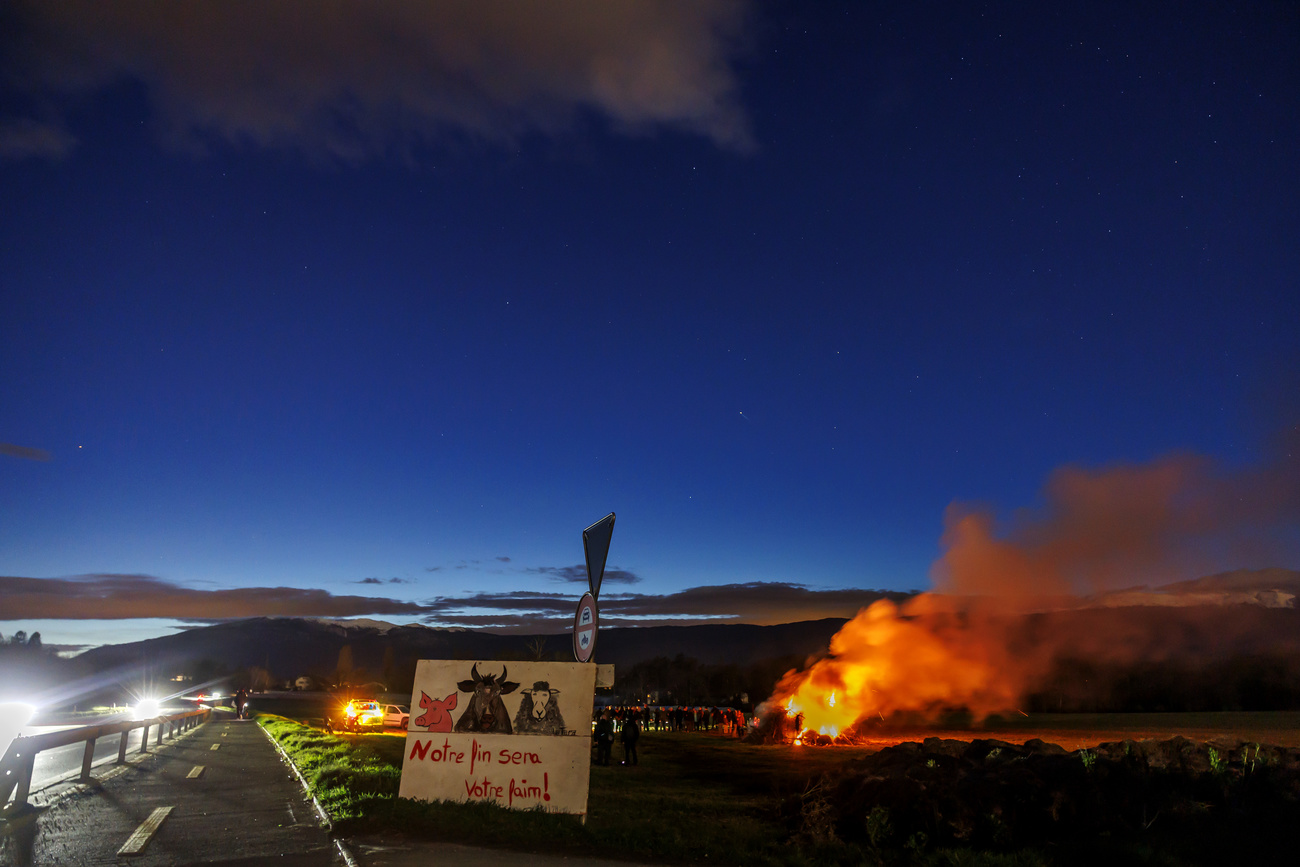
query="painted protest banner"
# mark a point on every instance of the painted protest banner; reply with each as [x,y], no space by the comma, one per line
[517,734]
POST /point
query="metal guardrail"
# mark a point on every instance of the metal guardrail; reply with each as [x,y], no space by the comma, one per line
[17,764]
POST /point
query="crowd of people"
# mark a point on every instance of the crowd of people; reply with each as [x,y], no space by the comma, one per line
[626,722]
[679,718]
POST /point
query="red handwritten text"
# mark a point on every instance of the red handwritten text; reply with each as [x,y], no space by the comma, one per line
[506,757]
[522,789]
[420,749]
[483,788]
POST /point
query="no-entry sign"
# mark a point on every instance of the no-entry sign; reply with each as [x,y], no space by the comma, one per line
[585,623]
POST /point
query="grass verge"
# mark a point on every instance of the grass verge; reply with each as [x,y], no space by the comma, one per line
[693,798]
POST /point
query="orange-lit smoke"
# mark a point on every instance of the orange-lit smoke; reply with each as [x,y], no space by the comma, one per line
[888,659]
[970,644]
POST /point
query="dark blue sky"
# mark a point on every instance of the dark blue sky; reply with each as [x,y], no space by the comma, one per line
[904,255]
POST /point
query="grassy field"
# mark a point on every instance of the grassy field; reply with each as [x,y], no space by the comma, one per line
[694,797]
[1076,730]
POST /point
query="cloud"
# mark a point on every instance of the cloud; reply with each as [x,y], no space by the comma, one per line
[578,574]
[352,80]
[67,649]
[113,597]
[473,564]
[383,581]
[110,597]
[757,602]
[21,138]
[25,452]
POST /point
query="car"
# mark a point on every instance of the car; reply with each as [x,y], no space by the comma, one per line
[360,713]
[397,715]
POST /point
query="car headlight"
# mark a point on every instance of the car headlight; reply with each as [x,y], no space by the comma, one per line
[13,716]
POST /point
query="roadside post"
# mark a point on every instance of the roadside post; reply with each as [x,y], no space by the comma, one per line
[586,622]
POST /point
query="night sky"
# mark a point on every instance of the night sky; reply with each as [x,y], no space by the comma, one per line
[370,310]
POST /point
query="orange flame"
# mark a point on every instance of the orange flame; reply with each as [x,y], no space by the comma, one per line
[886,660]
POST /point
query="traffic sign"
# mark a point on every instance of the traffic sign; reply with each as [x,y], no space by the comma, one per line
[595,542]
[585,623]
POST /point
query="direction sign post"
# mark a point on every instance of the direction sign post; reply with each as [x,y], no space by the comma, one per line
[585,624]
[595,543]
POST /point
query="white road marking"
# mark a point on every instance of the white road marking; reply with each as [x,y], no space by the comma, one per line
[215,747]
[223,734]
[195,772]
[136,842]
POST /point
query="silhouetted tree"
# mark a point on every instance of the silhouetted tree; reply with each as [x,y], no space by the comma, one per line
[344,670]
[390,666]
[259,678]
[537,648]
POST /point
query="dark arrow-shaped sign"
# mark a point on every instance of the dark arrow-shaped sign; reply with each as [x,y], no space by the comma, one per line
[595,542]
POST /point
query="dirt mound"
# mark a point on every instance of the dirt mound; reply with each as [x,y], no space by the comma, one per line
[1196,798]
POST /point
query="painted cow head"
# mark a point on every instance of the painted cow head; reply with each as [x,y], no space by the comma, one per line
[486,712]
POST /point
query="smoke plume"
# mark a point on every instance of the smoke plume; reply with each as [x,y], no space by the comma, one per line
[1096,572]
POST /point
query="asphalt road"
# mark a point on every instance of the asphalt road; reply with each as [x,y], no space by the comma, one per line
[219,794]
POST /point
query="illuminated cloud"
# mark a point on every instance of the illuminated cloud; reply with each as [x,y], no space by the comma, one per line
[352,80]
[757,603]
[110,597]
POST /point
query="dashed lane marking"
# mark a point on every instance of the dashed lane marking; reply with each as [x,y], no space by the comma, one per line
[195,772]
[136,842]
[223,734]
[215,747]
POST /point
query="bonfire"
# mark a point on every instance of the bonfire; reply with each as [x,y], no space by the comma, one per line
[890,661]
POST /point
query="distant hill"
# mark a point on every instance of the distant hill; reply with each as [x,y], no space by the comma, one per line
[289,647]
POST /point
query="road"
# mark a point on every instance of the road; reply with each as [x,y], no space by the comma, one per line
[227,799]
[217,793]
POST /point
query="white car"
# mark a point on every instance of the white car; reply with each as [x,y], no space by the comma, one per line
[396,715]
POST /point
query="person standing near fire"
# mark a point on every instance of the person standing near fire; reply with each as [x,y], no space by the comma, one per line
[604,738]
[631,734]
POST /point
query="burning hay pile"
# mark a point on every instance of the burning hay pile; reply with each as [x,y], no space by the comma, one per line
[989,794]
